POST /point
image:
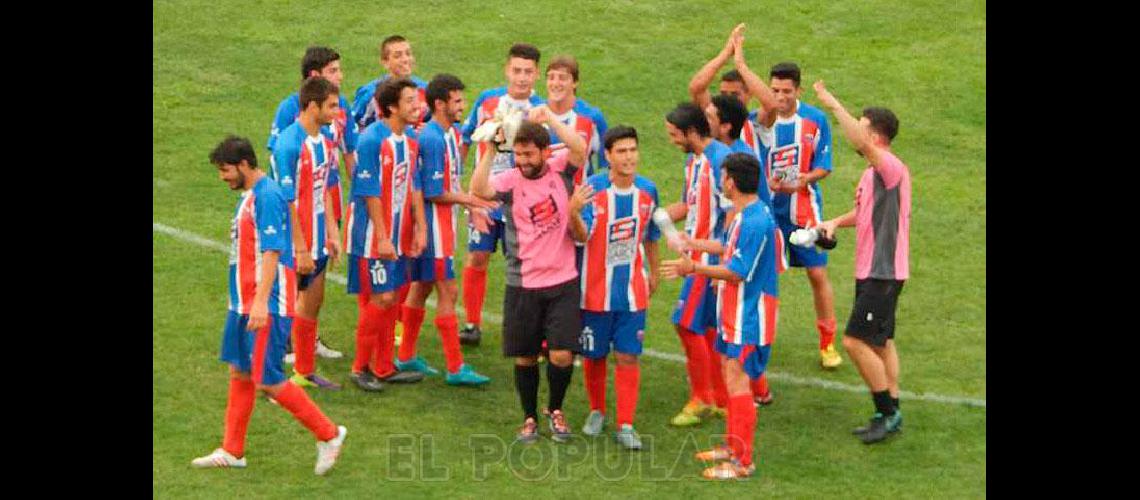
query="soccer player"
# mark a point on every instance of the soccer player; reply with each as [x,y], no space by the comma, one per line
[747,302]
[439,174]
[262,296]
[702,209]
[395,56]
[882,247]
[796,151]
[615,286]
[542,290]
[323,62]
[733,83]
[385,224]
[304,158]
[485,229]
[588,121]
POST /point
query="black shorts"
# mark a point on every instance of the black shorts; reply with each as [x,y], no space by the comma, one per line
[873,315]
[531,315]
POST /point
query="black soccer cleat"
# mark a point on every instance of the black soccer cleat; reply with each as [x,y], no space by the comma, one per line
[470,335]
[881,427]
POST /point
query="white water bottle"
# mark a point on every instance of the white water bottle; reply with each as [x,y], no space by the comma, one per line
[665,224]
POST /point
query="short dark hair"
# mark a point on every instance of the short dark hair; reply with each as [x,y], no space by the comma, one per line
[744,170]
[786,71]
[389,41]
[688,116]
[525,51]
[883,122]
[618,133]
[317,58]
[732,75]
[567,63]
[232,150]
[731,111]
[388,93]
[441,87]
[315,89]
[532,133]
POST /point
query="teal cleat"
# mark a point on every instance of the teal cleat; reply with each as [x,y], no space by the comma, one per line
[466,376]
[416,364]
[628,438]
[595,422]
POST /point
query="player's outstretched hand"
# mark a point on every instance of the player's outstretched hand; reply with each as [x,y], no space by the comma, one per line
[829,101]
[305,264]
[474,202]
[581,198]
[676,268]
[258,316]
[827,229]
[679,244]
[387,250]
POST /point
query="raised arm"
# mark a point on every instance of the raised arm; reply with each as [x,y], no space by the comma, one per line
[756,86]
[855,133]
[481,177]
[575,144]
[699,84]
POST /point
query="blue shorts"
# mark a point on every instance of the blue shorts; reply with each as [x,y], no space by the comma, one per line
[696,307]
[753,357]
[432,269]
[259,354]
[378,274]
[800,256]
[478,241]
[624,329]
[303,280]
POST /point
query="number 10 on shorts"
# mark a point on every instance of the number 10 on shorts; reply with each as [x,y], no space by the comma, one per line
[379,275]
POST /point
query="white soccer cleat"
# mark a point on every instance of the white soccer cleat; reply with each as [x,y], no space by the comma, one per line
[218,459]
[327,352]
[328,451]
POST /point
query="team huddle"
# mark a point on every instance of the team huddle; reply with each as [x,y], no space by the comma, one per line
[553,183]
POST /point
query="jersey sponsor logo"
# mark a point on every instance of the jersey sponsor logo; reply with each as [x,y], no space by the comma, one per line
[785,162]
[399,182]
[622,238]
[544,215]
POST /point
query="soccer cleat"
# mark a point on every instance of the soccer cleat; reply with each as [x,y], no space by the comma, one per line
[399,333]
[729,470]
[764,400]
[528,433]
[829,358]
[595,422]
[559,431]
[328,451]
[367,381]
[399,377]
[716,411]
[219,458]
[416,364]
[894,425]
[690,414]
[301,380]
[327,352]
[881,427]
[628,438]
[290,358]
[314,380]
[466,376]
[470,335]
[718,453]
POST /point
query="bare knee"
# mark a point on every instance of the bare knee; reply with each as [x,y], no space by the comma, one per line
[478,260]
[625,359]
[561,359]
[386,299]
[525,361]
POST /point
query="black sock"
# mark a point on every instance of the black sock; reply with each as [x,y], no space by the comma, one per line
[883,403]
[526,382]
[896,400]
[559,379]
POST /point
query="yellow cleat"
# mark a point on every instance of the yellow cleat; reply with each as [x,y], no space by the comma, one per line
[829,357]
[717,411]
[690,415]
[399,333]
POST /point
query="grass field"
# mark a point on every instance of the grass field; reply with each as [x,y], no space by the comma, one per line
[222,68]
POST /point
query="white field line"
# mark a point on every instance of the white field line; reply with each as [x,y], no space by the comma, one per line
[653,353]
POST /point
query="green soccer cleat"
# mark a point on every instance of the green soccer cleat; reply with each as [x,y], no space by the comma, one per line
[416,364]
[690,415]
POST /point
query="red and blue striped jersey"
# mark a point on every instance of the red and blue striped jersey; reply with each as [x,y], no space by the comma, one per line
[741,146]
[303,165]
[261,224]
[747,309]
[589,123]
[613,267]
[439,172]
[793,147]
[342,131]
[702,195]
[364,110]
[386,170]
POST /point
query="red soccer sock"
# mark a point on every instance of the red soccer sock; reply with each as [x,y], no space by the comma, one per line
[595,378]
[627,380]
[474,290]
[295,400]
[696,362]
[760,386]
[743,413]
[238,410]
[382,364]
[304,345]
[448,327]
[367,335]
[413,319]
[826,332]
[720,390]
